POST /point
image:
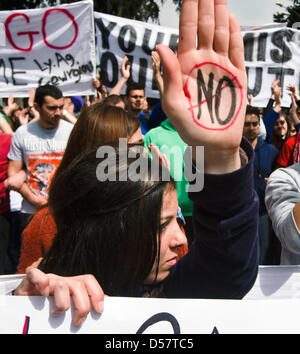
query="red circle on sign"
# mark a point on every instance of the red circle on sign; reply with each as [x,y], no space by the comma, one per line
[188,95]
[71,17]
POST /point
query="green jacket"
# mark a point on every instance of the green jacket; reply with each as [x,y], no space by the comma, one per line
[166,138]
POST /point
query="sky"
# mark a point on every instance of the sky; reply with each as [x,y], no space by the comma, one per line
[248,12]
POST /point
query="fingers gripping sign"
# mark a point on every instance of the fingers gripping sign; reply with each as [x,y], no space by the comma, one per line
[205,85]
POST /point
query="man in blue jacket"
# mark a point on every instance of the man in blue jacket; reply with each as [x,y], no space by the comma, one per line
[264,163]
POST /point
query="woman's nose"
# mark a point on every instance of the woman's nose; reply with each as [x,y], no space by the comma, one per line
[179,238]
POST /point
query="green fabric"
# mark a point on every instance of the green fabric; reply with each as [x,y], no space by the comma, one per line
[166,138]
[4,116]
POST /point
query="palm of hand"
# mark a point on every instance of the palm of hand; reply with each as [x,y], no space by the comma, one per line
[215,92]
[205,85]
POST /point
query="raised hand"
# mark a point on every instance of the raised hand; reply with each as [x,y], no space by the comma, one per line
[125,68]
[205,86]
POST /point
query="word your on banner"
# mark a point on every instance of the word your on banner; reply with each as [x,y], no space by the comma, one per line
[53,45]
[117,37]
[270,52]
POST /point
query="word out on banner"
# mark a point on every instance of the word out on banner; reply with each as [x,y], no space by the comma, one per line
[271,54]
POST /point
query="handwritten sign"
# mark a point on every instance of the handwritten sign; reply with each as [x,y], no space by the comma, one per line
[30,315]
[53,45]
[272,306]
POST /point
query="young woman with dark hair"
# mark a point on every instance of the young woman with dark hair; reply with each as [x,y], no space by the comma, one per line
[111,229]
[222,262]
[97,125]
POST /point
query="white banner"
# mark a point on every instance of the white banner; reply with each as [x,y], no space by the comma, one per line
[57,45]
[117,37]
[31,315]
[272,306]
[53,45]
[270,52]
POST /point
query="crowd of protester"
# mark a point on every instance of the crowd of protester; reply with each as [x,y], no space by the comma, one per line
[46,207]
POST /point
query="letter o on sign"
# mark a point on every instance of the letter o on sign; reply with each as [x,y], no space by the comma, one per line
[71,17]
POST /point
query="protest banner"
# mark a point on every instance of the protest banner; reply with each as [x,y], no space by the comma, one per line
[117,37]
[272,306]
[270,52]
[31,315]
[57,45]
[53,45]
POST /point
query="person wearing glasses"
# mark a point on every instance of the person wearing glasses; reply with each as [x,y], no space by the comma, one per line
[264,163]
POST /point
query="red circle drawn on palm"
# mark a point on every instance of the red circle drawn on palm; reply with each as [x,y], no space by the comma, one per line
[188,95]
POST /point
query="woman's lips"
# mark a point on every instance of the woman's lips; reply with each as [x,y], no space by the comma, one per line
[172,261]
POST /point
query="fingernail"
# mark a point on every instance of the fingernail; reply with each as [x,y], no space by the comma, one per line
[80,321]
[55,312]
[101,306]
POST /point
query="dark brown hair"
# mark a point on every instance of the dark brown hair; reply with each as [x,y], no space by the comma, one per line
[108,228]
[97,125]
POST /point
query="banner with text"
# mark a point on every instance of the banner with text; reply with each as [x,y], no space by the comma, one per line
[117,37]
[32,315]
[53,45]
[270,52]
[271,306]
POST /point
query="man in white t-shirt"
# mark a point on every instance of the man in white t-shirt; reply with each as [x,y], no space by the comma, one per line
[38,148]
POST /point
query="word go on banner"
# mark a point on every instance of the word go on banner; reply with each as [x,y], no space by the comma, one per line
[54,45]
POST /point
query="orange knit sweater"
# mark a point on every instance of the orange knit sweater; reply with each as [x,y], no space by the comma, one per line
[36,238]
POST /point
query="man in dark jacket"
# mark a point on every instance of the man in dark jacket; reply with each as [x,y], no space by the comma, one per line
[264,163]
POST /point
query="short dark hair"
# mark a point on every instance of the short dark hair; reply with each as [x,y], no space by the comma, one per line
[253,110]
[47,90]
[134,86]
[113,100]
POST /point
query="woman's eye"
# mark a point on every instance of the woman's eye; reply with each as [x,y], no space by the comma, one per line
[163,226]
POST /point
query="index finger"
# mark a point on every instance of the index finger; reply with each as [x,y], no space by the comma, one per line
[40,280]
